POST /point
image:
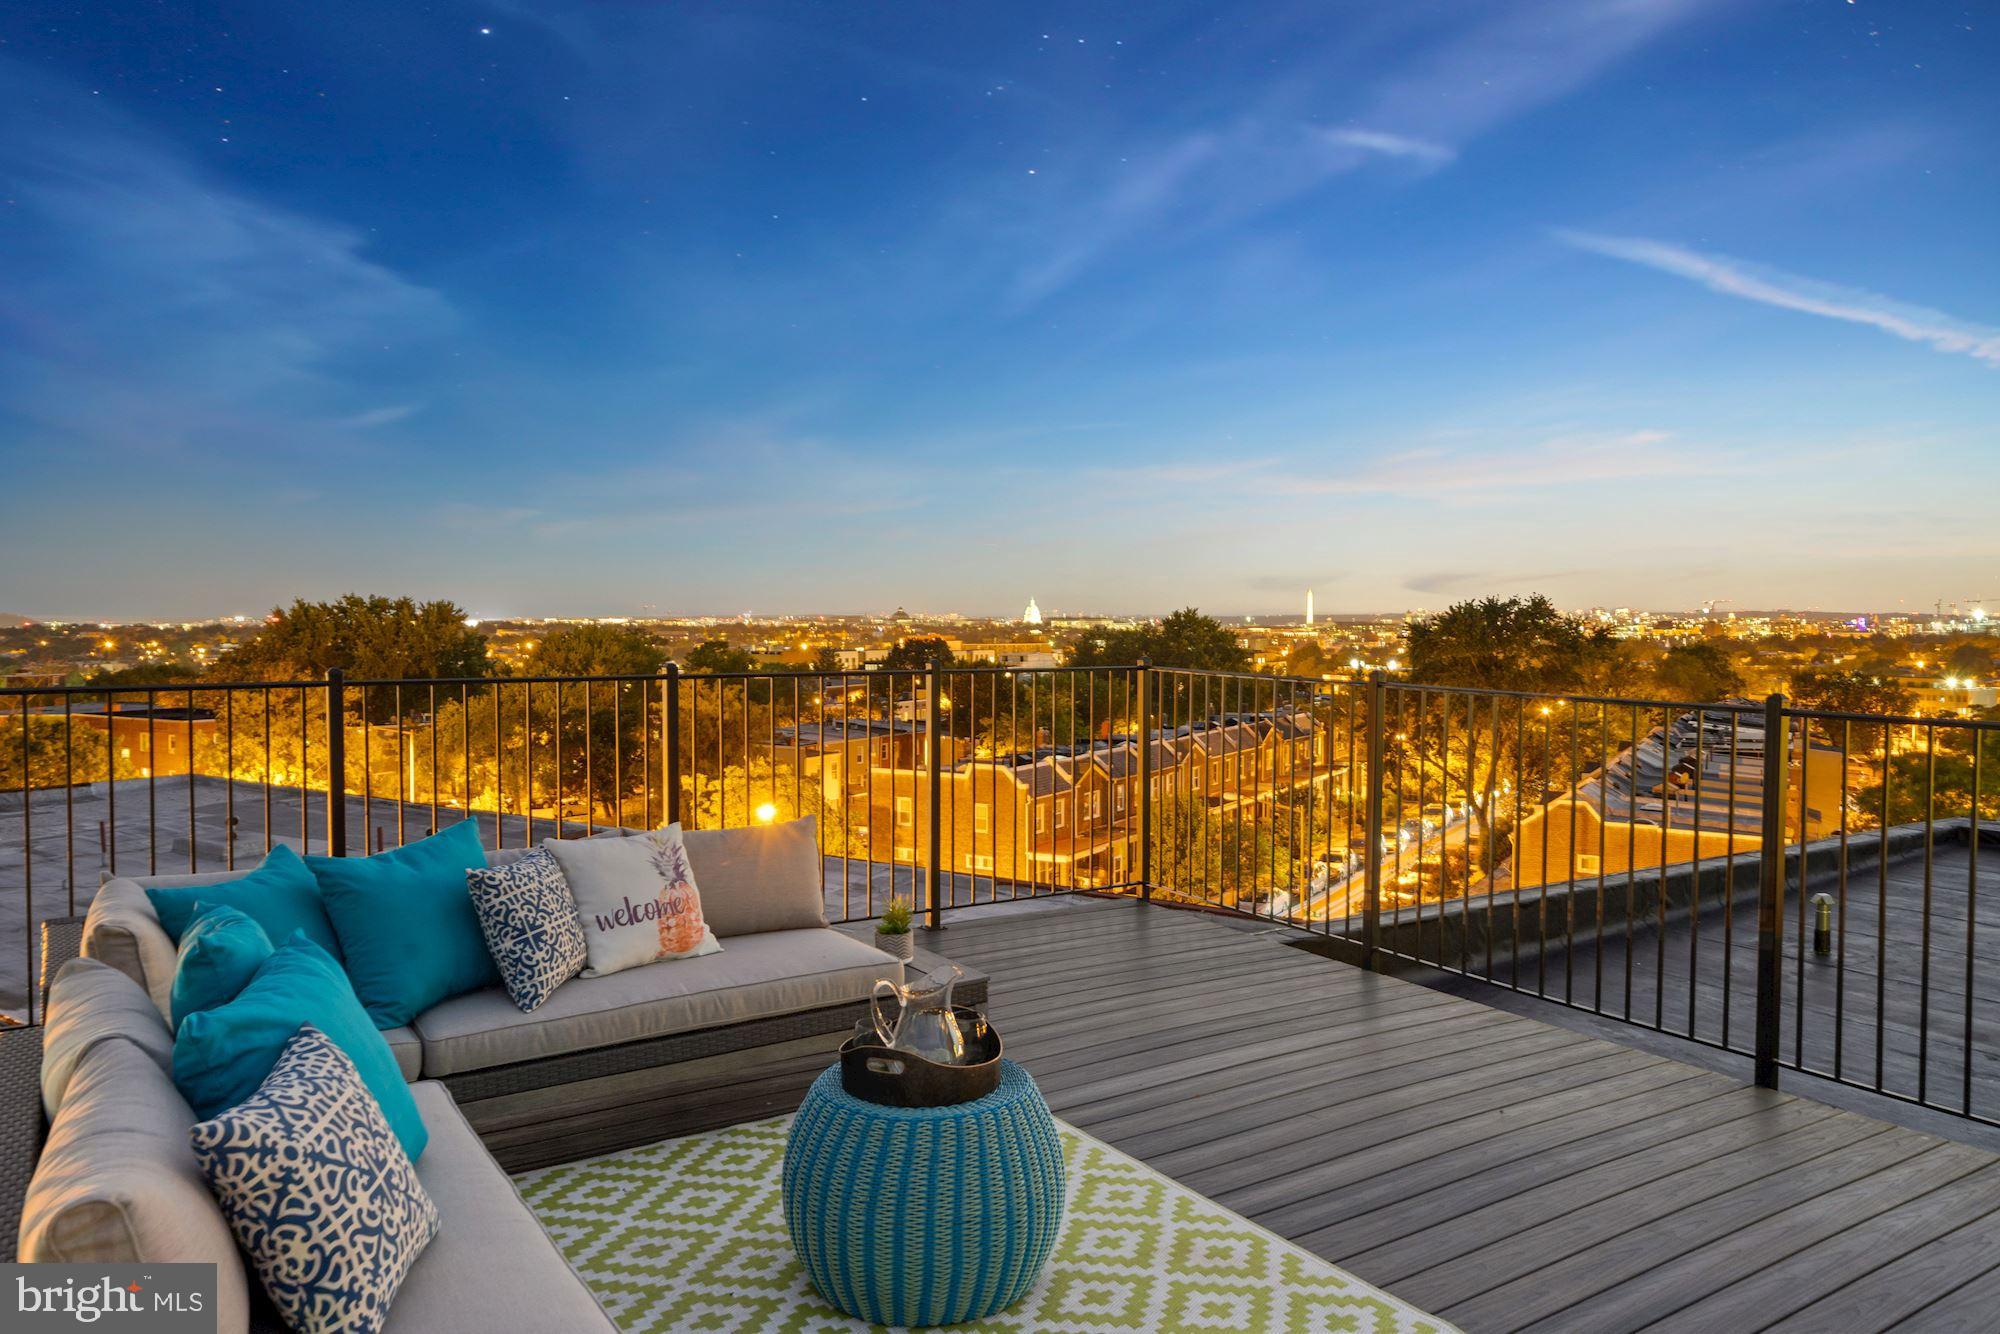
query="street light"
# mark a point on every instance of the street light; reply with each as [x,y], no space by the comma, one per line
[766,813]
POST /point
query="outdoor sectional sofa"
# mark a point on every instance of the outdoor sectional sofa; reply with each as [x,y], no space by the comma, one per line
[606,1063]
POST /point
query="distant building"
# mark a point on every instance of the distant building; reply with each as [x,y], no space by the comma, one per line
[1027,653]
[858,659]
[1033,615]
[147,742]
[1683,792]
[1309,606]
[1065,811]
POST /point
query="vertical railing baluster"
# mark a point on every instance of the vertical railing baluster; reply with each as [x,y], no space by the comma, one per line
[405,790]
[69,801]
[28,931]
[1145,686]
[671,743]
[1840,908]
[1371,910]
[933,762]
[1971,911]
[336,763]
[1924,959]
[1771,894]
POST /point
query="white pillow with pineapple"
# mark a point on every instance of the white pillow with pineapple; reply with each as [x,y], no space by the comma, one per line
[637,899]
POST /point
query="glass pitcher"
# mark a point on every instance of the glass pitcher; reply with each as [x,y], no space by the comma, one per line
[924,1024]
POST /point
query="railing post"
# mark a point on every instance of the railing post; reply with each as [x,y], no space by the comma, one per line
[1371,911]
[1145,682]
[933,751]
[336,762]
[1771,892]
[672,744]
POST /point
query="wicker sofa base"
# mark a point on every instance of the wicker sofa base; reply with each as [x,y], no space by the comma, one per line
[585,1103]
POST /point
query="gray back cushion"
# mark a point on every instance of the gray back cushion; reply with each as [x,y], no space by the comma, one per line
[117,1182]
[123,930]
[768,878]
[92,1002]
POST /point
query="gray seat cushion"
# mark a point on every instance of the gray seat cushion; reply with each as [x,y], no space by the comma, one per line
[754,977]
[90,1002]
[759,879]
[490,1268]
[118,1184]
[408,1050]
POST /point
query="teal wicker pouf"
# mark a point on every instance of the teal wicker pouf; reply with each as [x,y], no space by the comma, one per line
[924,1215]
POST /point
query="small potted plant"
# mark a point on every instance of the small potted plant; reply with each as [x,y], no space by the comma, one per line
[892,933]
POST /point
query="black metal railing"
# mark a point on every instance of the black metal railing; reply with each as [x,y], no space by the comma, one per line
[1796,886]
[1799,887]
[944,786]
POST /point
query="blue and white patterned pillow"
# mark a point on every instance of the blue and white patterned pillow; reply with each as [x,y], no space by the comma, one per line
[531,925]
[318,1191]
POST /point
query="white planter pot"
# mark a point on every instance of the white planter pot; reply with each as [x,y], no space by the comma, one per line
[903,944]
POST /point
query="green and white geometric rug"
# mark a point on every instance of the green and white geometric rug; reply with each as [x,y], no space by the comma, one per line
[689,1234]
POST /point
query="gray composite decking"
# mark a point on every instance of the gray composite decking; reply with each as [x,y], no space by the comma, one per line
[1920,1048]
[1495,1170]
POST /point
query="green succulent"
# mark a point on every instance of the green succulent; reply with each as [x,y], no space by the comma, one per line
[896,918]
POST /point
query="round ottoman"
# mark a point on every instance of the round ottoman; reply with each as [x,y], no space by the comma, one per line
[924,1215]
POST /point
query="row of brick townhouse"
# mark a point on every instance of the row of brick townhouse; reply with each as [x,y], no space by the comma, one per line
[1055,815]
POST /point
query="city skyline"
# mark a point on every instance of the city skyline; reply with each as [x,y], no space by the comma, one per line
[558,308]
[1967,612]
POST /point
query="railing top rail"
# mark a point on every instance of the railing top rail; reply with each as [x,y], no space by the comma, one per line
[1317,681]
[99,689]
[1549,697]
[1890,719]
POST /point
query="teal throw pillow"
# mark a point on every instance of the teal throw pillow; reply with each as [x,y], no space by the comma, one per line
[222,1055]
[409,934]
[221,950]
[280,895]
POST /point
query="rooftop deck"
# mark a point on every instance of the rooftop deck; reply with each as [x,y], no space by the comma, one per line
[1496,1170]
[1885,1009]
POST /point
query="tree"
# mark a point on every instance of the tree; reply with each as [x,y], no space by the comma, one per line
[1185,639]
[1204,855]
[1458,748]
[1939,780]
[1698,673]
[826,659]
[1306,658]
[715,655]
[916,655]
[1508,644]
[57,753]
[149,674]
[1833,691]
[1974,658]
[596,650]
[602,723]
[369,638]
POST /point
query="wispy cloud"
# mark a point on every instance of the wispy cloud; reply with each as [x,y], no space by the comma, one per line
[1259,156]
[1788,291]
[1393,145]
[152,305]
[1474,468]
[382,416]
[1450,582]
[1477,474]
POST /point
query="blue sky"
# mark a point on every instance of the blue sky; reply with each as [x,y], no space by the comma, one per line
[600,307]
